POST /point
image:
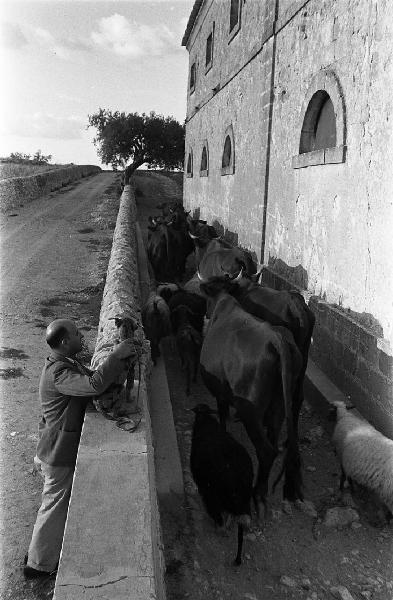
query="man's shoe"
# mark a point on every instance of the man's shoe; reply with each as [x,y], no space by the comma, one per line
[31,573]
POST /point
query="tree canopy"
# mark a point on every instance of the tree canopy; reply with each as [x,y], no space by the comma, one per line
[130,140]
[21,158]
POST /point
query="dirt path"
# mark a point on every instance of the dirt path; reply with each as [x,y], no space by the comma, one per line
[54,253]
[294,555]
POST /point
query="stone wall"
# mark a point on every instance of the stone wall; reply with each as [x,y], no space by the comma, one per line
[115,542]
[350,350]
[16,191]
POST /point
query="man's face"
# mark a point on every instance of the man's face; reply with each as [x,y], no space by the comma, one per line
[75,340]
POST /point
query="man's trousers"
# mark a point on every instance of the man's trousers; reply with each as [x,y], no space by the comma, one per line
[47,538]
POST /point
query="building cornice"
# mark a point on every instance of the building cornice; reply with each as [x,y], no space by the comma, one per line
[191,21]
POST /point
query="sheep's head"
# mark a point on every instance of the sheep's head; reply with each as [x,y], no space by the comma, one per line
[338,410]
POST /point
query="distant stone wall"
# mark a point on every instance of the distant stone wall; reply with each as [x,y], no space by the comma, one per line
[16,191]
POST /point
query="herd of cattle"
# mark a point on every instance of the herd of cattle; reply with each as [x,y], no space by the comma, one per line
[252,356]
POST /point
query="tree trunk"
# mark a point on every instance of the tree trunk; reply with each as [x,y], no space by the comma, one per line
[131,168]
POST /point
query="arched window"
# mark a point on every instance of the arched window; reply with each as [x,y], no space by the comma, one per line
[189,170]
[234,16]
[228,154]
[323,117]
[209,50]
[192,77]
[319,125]
[204,170]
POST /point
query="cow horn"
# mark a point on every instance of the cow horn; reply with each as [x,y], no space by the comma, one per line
[154,221]
[239,276]
[193,237]
[201,278]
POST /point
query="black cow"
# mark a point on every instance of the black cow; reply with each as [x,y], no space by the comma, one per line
[254,366]
[213,254]
[167,289]
[218,260]
[279,308]
[157,251]
[195,306]
[189,344]
[222,470]
[156,322]
[181,243]
[169,244]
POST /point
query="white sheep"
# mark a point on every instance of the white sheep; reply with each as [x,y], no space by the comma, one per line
[365,454]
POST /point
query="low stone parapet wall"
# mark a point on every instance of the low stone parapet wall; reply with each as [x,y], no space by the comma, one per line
[16,191]
[112,544]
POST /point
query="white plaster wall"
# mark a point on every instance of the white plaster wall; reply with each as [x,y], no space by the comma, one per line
[234,200]
[229,55]
[337,220]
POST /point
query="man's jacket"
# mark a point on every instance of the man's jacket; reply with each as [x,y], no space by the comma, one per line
[65,388]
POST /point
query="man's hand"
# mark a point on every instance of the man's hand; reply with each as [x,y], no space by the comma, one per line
[37,467]
[125,349]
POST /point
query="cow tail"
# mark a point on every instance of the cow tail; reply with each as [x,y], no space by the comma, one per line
[292,463]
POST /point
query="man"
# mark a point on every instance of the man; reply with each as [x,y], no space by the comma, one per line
[65,389]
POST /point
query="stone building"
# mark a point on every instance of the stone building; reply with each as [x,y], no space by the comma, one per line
[289,151]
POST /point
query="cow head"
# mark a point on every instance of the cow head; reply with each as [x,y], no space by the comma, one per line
[154,222]
[167,290]
[200,232]
[213,287]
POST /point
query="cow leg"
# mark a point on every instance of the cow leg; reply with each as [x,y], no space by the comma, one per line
[188,375]
[265,451]
[223,411]
[221,393]
[303,345]
[196,364]
[195,370]
[297,399]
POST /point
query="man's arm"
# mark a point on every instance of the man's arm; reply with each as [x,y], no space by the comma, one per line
[72,383]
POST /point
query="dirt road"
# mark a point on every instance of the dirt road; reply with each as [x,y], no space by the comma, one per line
[54,254]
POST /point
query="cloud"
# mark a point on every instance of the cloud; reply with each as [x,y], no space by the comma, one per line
[45,126]
[11,36]
[130,39]
[64,48]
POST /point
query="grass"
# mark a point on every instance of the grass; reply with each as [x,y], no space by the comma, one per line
[8,170]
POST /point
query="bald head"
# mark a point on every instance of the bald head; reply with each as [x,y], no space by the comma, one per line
[60,331]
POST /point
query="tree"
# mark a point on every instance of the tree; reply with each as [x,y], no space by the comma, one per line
[41,159]
[37,159]
[152,139]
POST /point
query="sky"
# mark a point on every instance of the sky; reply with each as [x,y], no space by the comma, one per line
[62,60]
